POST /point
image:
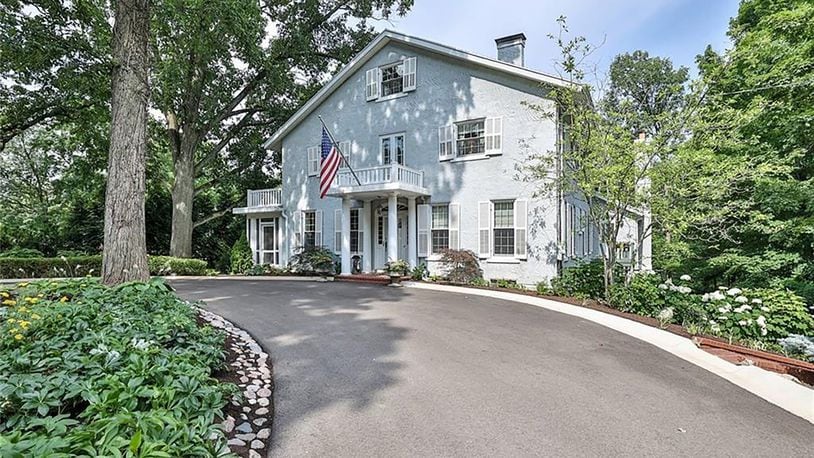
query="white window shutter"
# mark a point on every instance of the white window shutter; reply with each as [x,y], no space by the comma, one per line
[338,231]
[318,228]
[299,228]
[520,227]
[424,217]
[345,148]
[484,229]
[313,160]
[445,142]
[455,226]
[372,84]
[409,79]
[494,135]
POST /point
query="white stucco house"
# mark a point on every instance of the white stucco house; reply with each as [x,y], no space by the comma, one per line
[434,135]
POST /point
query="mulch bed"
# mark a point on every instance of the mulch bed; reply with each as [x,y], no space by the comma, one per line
[715,345]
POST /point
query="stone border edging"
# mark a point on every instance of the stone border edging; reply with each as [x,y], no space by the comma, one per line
[772,387]
[255,385]
[188,277]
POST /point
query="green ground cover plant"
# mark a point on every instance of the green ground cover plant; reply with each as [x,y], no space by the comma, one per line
[91,370]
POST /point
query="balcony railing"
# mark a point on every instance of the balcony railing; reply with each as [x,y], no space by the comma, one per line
[264,198]
[380,175]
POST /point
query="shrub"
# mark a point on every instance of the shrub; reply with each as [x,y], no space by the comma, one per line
[398,267]
[168,265]
[583,280]
[507,284]
[240,258]
[646,295]
[311,260]
[760,314]
[419,272]
[460,266]
[50,267]
[798,346]
[122,371]
[92,265]
[544,288]
[479,282]
[21,253]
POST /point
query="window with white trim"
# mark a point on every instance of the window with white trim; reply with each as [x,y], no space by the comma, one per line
[310,228]
[440,228]
[503,227]
[345,152]
[391,79]
[355,234]
[392,149]
[470,137]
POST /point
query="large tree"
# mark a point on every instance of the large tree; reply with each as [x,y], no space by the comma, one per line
[125,248]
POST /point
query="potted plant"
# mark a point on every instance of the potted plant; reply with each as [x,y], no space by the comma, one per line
[396,270]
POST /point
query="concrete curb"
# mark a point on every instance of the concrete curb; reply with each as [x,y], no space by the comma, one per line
[774,388]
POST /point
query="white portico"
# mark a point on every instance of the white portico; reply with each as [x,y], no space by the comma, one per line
[384,199]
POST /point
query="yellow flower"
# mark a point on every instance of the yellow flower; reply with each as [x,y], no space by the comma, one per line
[63,299]
[40,295]
[23,284]
[31,300]
[22,309]
[11,320]
[34,316]
[4,294]
[18,337]
[24,324]
[13,331]
[9,302]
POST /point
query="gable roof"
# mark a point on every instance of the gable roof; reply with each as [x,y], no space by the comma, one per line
[381,41]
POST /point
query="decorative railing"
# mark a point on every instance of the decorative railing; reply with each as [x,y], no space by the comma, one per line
[264,197]
[380,175]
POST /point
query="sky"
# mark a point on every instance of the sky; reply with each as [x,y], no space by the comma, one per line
[678,29]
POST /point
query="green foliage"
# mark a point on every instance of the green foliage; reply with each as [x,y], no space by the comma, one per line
[641,295]
[645,294]
[397,267]
[241,256]
[312,260]
[583,280]
[167,265]
[21,253]
[798,346]
[544,288]
[480,282]
[507,284]
[419,272]
[460,266]
[100,371]
[80,266]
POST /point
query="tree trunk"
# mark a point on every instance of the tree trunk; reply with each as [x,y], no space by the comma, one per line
[183,193]
[125,247]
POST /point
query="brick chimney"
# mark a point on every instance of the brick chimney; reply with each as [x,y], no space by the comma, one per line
[511,49]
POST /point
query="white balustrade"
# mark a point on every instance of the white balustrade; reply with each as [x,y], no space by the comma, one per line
[264,197]
[380,175]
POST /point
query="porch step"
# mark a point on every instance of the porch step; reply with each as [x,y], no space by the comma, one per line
[364,278]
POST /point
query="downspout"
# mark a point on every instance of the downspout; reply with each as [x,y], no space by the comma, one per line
[559,193]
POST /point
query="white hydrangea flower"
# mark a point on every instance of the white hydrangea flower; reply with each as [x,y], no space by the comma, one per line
[742,322]
[685,277]
[741,299]
[684,289]
[734,292]
[761,320]
[757,301]
[722,309]
[764,309]
[705,297]
[717,296]
[763,331]
[663,286]
[722,288]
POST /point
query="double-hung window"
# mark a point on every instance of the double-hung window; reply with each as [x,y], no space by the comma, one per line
[440,228]
[391,79]
[470,138]
[392,149]
[503,227]
[309,229]
[354,231]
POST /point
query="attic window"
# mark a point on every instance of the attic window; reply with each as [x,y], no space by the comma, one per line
[392,79]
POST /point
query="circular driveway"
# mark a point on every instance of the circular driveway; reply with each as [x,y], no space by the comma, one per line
[374,371]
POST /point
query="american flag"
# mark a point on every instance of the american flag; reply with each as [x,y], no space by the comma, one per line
[330,163]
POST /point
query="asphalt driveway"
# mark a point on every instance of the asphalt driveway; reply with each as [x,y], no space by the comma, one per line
[375,371]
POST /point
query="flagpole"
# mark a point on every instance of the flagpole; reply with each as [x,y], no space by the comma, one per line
[336,145]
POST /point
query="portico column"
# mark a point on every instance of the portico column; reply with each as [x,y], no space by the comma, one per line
[345,262]
[412,257]
[367,237]
[392,228]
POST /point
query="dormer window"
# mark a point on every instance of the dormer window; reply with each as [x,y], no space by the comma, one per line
[390,80]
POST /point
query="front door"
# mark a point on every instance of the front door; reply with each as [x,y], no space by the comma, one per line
[403,235]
